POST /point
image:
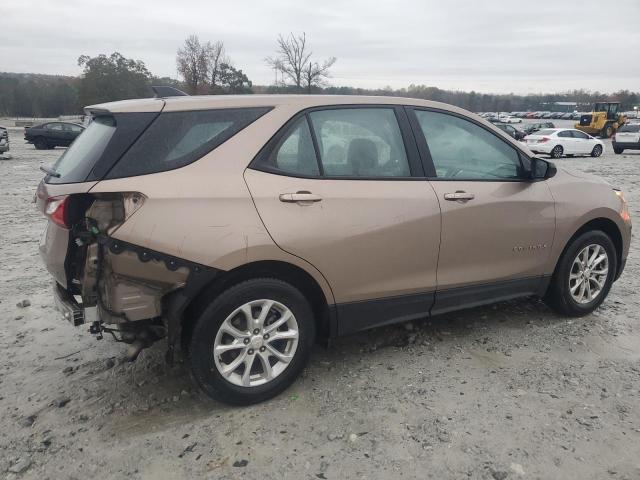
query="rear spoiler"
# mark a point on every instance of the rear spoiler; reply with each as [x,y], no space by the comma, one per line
[162,91]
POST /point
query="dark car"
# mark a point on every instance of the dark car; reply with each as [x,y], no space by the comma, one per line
[567,116]
[512,131]
[52,134]
[534,127]
[556,115]
[4,140]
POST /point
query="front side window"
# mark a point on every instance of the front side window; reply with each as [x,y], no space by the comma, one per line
[360,142]
[176,139]
[565,134]
[462,150]
[54,126]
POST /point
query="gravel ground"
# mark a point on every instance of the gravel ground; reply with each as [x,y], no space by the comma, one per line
[503,392]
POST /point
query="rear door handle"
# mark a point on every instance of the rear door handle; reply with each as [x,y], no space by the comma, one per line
[459,196]
[300,197]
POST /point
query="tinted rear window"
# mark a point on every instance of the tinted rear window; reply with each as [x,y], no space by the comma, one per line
[77,161]
[635,128]
[176,139]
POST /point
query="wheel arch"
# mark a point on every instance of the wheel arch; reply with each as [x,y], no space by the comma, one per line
[605,225]
[287,272]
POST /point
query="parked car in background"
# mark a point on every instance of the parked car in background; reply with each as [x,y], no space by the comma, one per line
[566,116]
[546,115]
[232,226]
[509,119]
[4,140]
[534,127]
[512,131]
[627,137]
[52,134]
[557,142]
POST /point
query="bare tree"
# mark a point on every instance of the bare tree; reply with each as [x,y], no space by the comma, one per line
[293,61]
[315,74]
[216,58]
[192,61]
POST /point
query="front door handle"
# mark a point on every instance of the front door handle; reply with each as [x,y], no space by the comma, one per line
[300,197]
[459,195]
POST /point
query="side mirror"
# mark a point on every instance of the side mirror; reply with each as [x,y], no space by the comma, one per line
[541,169]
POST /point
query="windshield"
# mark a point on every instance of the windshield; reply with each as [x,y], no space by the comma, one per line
[76,162]
[633,128]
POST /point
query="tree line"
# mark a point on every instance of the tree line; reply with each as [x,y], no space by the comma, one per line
[205,67]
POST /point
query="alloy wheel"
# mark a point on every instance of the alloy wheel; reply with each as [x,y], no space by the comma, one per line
[256,343]
[588,274]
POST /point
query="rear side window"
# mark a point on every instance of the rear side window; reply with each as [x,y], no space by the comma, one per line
[295,153]
[176,139]
[565,134]
[360,142]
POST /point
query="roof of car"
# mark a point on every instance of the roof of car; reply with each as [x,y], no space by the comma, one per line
[202,102]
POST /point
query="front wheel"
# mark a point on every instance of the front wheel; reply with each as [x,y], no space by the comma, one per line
[252,341]
[597,151]
[557,151]
[584,275]
[40,144]
[607,131]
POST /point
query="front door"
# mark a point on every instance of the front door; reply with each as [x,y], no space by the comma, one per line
[497,226]
[339,189]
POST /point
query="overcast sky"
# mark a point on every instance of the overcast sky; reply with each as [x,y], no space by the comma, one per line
[524,46]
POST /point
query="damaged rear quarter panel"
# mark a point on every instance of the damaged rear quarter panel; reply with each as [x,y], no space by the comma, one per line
[203,212]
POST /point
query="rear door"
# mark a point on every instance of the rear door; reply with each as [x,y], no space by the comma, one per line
[583,142]
[497,226]
[343,188]
[569,144]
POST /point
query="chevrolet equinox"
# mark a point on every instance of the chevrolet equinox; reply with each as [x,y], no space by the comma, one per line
[240,228]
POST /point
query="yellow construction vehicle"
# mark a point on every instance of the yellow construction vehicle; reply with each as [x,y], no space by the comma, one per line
[604,120]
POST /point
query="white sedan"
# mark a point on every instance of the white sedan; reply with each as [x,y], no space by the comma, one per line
[509,119]
[557,142]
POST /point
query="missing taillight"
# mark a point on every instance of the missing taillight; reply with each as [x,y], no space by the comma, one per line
[57,209]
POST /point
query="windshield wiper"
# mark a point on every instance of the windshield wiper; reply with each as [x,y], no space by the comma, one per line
[49,171]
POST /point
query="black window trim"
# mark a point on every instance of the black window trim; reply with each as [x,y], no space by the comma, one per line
[406,132]
[109,173]
[427,160]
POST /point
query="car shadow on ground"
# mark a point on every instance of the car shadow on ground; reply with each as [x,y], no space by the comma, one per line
[163,396]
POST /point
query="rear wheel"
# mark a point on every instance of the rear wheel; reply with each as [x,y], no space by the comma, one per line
[40,143]
[618,150]
[597,151]
[584,275]
[557,151]
[252,341]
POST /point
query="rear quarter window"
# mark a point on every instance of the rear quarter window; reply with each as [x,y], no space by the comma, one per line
[176,139]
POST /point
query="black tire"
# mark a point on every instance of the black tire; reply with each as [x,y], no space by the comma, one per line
[201,356]
[40,143]
[557,151]
[597,151]
[559,296]
[607,131]
[618,150]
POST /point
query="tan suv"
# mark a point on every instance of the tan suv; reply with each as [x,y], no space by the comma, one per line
[243,227]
